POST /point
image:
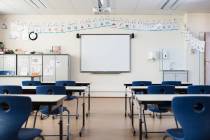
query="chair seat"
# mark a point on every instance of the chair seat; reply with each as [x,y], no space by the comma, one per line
[176,133]
[71,97]
[155,108]
[29,133]
[45,110]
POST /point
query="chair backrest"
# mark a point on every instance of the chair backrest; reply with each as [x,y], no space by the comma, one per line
[172,83]
[201,89]
[51,89]
[10,89]
[141,83]
[14,111]
[7,72]
[65,83]
[161,89]
[193,114]
[31,83]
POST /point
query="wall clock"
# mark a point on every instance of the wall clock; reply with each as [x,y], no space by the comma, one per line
[33,36]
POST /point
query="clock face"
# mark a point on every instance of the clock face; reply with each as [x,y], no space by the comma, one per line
[33,36]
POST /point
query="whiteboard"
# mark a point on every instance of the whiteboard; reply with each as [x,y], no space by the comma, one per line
[105,53]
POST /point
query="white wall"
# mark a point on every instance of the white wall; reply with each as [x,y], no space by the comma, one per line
[144,42]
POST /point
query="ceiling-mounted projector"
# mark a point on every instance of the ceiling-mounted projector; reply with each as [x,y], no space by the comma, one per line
[105,10]
[103,7]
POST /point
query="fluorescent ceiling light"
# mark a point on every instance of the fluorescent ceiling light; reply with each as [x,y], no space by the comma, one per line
[36,3]
[174,4]
[165,4]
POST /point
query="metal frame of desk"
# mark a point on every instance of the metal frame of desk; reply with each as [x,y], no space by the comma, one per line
[80,89]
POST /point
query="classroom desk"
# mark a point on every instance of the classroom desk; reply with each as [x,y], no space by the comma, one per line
[134,89]
[77,84]
[80,89]
[52,101]
[128,85]
[143,99]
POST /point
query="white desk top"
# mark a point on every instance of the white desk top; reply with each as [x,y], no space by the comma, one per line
[163,97]
[76,87]
[67,87]
[145,87]
[40,98]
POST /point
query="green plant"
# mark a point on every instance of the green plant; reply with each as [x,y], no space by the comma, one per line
[1,45]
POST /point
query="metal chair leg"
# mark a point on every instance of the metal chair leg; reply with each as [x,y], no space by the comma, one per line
[177,125]
[165,137]
[145,124]
[130,105]
[77,109]
[26,123]
[35,119]
[68,125]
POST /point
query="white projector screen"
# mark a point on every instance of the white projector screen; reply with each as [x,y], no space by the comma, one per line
[105,53]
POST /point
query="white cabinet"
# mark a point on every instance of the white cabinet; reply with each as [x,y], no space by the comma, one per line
[175,75]
[35,65]
[55,67]
[23,65]
[62,67]
[8,63]
[29,65]
[48,69]
[51,67]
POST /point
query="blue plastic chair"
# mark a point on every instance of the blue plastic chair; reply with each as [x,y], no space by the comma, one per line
[158,108]
[7,72]
[69,95]
[193,114]
[198,89]
[10,89]
[31,83]
[160,89]
[172,83]
[14,111]
[141,83]
[53,90]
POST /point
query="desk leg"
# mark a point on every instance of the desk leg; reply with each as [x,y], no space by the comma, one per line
[140,121]
[83,115]
[126,95]
[87,114]
[132,114]
[61,123]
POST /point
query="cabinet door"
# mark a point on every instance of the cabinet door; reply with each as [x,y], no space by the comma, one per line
[168,76]
[35,65]
[182,76]
[23,65]
[62,67]
[207,73]
[1,62]
[10,63]
[48,68]
[207,59]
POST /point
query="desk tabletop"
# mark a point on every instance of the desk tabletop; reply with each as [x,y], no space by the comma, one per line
[163,97]
[145,87]
[183,84]
[40,98]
